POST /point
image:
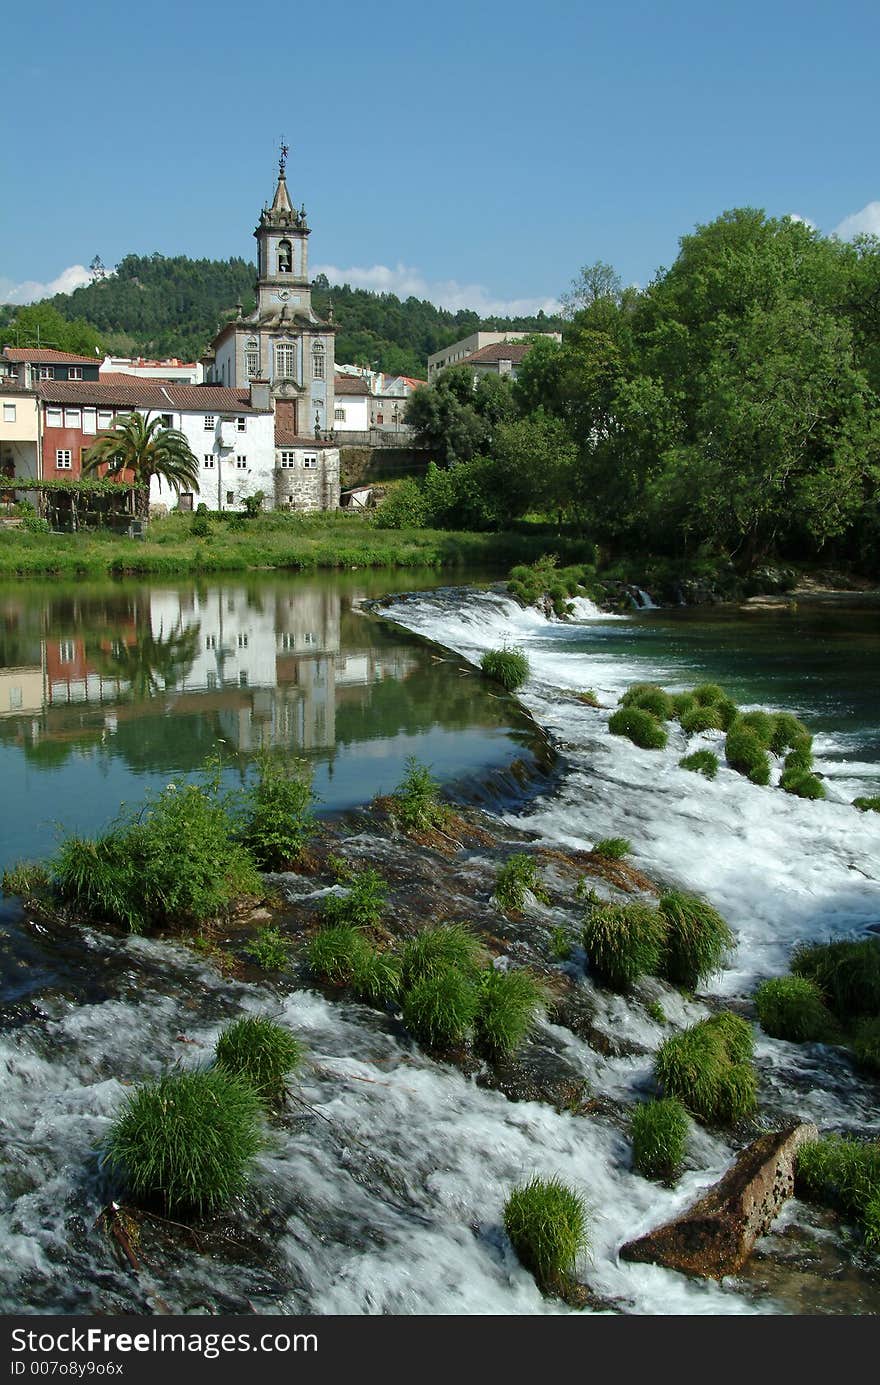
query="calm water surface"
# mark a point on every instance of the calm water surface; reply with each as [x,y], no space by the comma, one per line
[108,690]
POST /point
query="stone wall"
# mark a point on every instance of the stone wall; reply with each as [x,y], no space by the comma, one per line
[359,466]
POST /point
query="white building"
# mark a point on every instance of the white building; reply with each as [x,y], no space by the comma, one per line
[457,351]
[171,371]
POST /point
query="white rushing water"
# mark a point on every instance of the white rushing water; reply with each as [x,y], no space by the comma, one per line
[390,1200]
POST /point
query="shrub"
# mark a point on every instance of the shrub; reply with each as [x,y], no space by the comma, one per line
[844,1172]
[697,719]
[404,507]
[200,527]
[439,1010]
[624,942]
[278,819]
[24,878]
[509,667]
[865,1042]
[643,729]
[650,698]
[509,1004]
[415,802]
[185,1140]
[788,733]
[867,804]
[703,762]
[697,939]
[518,874]
[547,1223]
[746,755]
[364,903]
[445,947]
[260,1052]
[269,949]
[708,1067]
[612,848]
[375,976]
[802,784]
[847,974]
[659,1136]
[763,724]
[178,863]
[791,1007]
[334,952]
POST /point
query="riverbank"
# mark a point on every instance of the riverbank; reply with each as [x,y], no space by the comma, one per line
[192,546]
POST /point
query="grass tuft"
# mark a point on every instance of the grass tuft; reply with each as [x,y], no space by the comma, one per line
[746,754]
[612,848]
[650,698]
[624,942]
[867,804]
[509,667]
[376,976]
[865,1042]
[697,939]
[659,1136]
[843,1172]
[333,954]
[703,762]
[697,719]
[25,878]
[708,1067]
[439,1010]
[801,783]
[548,1226]
[185,1141]
[639,726]
[260,1052]
[510,1003]
[791,1007]
[847,974]
[442,948]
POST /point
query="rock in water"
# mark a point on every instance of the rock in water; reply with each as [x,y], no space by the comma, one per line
[715,1236]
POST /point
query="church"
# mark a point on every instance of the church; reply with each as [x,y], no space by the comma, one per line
[284,355]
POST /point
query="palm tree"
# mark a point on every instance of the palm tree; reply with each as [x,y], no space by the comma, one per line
[146,450]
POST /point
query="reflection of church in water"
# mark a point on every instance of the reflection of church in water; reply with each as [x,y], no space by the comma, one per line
[267,665]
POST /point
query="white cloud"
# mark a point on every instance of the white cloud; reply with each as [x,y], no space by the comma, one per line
[865,222]
[31,290]
[446,293]
[804,220]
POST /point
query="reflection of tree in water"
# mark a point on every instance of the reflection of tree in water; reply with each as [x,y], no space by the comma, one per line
[152,664]
[427,697]
[172,744]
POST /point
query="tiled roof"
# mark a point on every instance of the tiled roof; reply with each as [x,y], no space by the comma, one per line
[44,355]
[499,351]
[126,391]
[413,383]
[351,384]
[283,438]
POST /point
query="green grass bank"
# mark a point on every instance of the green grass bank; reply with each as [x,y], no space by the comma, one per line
[299,543]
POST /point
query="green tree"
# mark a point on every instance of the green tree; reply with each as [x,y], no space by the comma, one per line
[40,324]
[145,449]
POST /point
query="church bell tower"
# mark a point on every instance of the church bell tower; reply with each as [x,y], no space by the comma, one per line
[282,254]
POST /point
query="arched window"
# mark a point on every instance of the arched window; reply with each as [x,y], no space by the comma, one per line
[318,361]
[285,257]
[285,368]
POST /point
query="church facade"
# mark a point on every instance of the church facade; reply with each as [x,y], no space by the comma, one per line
[285,355]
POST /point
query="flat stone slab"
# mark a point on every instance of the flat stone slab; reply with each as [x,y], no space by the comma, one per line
[715,1235]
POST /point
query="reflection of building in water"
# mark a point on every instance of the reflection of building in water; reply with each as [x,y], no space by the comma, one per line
[267,665]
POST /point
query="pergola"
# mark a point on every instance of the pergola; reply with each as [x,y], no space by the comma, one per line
[89,503]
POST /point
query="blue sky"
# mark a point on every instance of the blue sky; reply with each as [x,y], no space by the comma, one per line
[476,154]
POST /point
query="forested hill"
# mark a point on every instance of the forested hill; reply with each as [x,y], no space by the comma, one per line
[157,305]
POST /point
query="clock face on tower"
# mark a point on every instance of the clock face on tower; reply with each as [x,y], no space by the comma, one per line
[282,295]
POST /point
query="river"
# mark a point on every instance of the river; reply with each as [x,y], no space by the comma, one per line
[390,1200]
